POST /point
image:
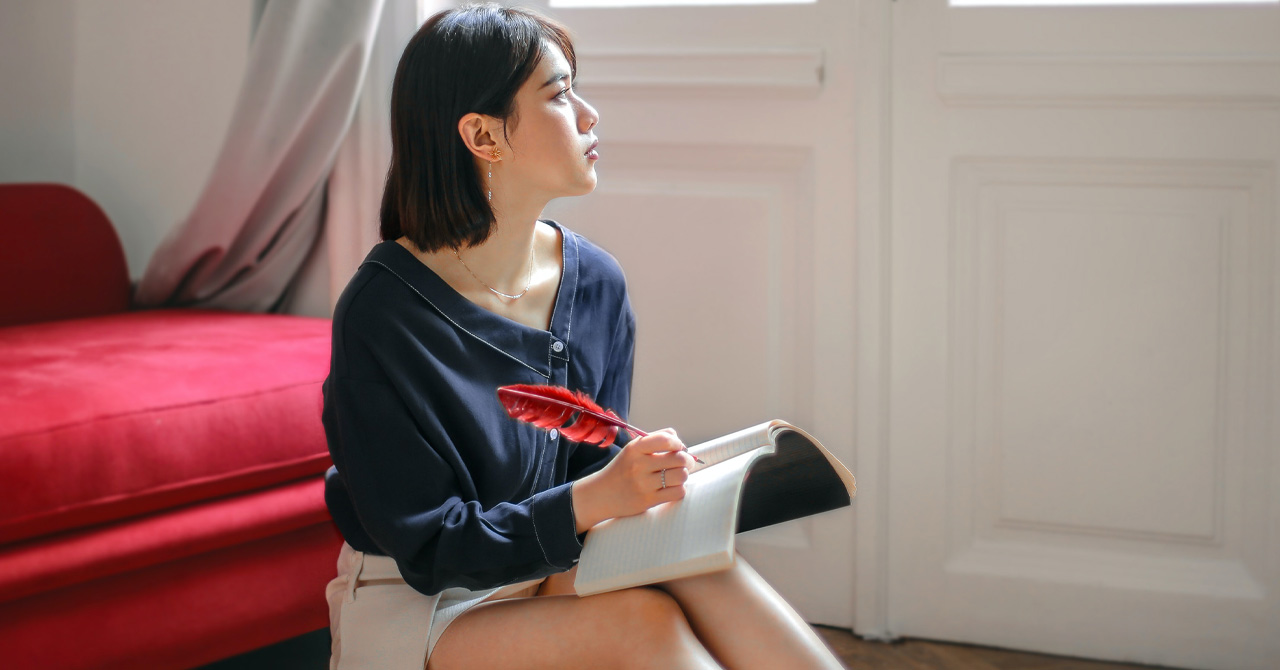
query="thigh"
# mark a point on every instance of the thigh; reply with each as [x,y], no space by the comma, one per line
[559,584]
[562,631]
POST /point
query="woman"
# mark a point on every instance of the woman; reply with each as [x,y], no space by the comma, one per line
[457,518]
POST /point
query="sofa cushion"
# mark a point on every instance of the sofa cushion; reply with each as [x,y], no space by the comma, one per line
[66,259]
[114,416]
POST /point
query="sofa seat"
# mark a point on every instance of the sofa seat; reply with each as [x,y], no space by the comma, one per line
[135,412]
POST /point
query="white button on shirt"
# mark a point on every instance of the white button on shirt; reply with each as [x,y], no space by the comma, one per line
[553,434]
[557,346]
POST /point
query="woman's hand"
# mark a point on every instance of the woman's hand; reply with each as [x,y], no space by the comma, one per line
[632,482]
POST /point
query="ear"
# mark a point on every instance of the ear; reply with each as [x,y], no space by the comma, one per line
[481,134]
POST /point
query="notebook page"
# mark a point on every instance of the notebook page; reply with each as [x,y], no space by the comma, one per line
[727,446]
[701,524]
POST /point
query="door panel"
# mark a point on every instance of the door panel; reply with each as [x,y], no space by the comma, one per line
[1084,335]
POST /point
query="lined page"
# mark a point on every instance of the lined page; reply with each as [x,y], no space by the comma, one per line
[635,548]
[727,446]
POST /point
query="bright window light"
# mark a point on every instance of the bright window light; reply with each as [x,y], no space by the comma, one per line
[673,3]
[1082,3]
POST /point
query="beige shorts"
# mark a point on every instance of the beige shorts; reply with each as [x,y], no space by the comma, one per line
[379,621]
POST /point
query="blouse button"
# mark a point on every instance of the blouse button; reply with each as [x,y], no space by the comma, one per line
[557,346]
[553,434]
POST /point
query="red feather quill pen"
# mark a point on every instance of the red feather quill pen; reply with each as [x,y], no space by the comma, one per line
[554,406]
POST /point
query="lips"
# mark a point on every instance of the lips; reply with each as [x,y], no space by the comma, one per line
[592,147]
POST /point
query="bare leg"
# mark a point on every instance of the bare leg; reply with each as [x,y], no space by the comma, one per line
[745,624]
[633,629]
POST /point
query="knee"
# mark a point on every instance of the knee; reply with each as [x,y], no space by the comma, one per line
[658,631]
[651,609]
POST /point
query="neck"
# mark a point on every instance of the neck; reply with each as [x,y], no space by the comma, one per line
[502,260]
[504,257]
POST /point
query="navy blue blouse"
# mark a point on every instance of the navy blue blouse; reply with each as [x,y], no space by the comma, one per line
[428,467]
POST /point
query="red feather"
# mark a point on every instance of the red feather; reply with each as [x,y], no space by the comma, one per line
[554,406]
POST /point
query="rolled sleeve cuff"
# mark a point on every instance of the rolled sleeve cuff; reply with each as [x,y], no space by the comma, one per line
[555,526]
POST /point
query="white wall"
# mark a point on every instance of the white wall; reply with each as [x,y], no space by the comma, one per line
[37,58]
[127,100]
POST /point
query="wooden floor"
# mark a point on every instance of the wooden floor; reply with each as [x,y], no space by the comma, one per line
[311,652]
[911,654]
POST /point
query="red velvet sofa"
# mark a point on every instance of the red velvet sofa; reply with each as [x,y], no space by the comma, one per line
[161,500]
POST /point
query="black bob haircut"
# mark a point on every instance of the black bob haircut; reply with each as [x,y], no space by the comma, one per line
[468,59]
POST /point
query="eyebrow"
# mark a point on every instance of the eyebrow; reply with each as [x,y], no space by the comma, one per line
[554,78]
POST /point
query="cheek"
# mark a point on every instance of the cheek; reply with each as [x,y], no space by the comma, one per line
[553,139]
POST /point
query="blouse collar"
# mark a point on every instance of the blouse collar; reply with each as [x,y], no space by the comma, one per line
[532,347]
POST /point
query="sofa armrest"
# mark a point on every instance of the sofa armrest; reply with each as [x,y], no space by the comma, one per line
[60,257]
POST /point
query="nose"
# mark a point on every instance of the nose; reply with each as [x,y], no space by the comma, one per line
[588,116]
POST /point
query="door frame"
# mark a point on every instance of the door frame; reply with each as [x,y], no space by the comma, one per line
[872,344]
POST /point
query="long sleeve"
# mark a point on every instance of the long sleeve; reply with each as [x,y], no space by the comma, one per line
[412,506]
[615,394]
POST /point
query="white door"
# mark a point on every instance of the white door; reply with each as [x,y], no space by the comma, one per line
[724,174]
[1083,435]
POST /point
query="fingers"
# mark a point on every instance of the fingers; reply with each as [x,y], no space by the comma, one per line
[657,442]
[674,477]
[670,459]
[675,489]
[664,451]
[643,461]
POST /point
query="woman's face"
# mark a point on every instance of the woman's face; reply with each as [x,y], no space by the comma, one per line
[549,143]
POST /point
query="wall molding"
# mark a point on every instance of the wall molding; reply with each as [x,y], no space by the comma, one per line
[984,538]
[779,179]
[1213,578]
[1247,81]
[787,73]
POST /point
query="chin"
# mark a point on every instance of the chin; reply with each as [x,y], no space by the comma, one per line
[583,186]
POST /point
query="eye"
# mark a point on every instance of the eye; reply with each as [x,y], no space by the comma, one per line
[563,91]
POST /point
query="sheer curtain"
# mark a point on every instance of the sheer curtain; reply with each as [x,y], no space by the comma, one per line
[291,204]
[355,186]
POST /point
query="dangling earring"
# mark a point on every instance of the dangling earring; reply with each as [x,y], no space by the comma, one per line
[496,153]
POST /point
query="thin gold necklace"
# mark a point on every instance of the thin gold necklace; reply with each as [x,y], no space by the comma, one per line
[508,296]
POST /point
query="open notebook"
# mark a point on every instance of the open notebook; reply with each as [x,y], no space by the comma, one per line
[756,477]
